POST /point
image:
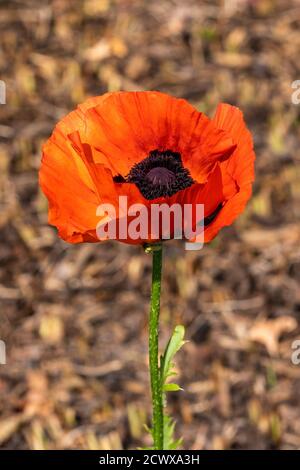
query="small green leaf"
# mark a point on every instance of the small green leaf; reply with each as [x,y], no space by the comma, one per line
[175,343]
[166,370]
[169,442]
[171,388]
[175,444]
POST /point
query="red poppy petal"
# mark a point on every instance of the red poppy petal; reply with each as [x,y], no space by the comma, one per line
[231,210]
[209,194]
[75,120]
[72,204]
[238,172]
[107,135]
[122,128]
[69,183]
[125,127]
[239,169]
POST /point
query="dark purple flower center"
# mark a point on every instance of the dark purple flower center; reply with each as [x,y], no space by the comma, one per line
[161,174]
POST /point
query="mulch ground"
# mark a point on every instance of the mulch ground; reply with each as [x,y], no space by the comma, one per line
[74,318]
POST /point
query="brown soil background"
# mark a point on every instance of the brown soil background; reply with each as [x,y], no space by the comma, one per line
[74,318]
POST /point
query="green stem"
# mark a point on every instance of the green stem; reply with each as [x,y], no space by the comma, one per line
[156,385]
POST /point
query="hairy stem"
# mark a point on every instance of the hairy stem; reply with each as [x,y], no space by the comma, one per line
[156,385]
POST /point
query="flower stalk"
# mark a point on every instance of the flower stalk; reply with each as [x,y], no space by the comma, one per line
[155,378]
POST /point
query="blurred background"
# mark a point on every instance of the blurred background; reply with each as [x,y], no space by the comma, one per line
[74,318]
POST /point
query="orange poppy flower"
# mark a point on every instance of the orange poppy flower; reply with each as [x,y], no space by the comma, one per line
[151,148]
